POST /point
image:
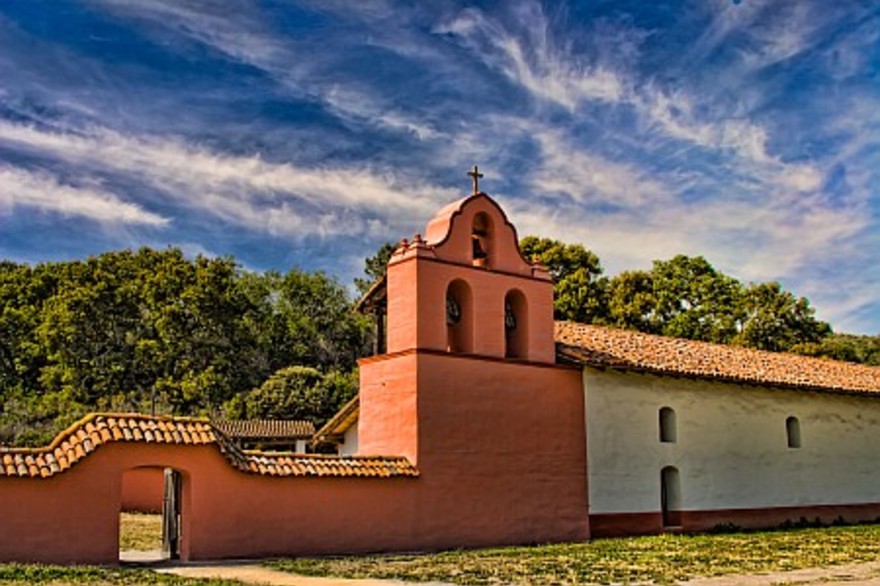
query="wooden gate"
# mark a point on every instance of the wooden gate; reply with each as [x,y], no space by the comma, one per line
[171,515]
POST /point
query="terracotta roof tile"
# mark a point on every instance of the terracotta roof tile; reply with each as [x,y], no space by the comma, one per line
[86,436]
[627,350]
[265,428]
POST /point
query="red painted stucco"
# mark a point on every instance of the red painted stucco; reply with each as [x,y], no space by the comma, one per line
[142,490]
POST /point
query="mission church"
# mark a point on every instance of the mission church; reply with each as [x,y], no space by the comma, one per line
[480,422]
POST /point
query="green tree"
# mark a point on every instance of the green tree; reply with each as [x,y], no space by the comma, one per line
[632,304]
[295,392]
[774,319]
[579,287]
[849,347]
[695,301]
[375,267]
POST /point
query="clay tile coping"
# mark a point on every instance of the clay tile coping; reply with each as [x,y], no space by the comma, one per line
[276,429]
[78,445]
[602,347]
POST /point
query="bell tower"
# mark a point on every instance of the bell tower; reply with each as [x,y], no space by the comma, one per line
[469,389]
[462,297]
[465,288]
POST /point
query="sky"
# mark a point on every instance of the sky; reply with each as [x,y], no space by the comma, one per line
[305,134]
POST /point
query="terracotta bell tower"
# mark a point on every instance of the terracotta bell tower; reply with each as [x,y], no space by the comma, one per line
[466,289]
[463,297]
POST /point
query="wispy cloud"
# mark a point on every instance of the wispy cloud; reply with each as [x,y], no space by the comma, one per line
[43,191]
[279,198]
[743,131]
[588,178]
[533,60]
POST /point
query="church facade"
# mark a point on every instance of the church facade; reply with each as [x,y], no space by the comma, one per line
[480,422]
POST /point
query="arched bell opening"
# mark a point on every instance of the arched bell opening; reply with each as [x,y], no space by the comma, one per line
[516,325]
[459,317]
[482,239]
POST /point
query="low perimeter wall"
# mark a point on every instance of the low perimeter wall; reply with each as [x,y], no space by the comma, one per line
[143,490]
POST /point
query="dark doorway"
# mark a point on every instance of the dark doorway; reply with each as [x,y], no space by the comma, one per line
[670,496]
[171,515]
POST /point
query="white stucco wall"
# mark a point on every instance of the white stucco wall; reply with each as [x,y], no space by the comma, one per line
[349,446]
[731,450]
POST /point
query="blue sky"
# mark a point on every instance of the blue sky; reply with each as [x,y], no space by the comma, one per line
[305,134]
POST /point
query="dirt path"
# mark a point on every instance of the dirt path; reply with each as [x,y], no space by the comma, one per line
[256,574]
[864,574]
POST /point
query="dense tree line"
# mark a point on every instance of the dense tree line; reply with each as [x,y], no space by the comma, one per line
[153,331]
[684,297]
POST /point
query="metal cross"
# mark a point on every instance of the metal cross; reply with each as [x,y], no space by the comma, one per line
[476,175]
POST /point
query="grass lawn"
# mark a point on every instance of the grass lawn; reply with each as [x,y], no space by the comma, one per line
[661,559]
[21,575]
[140,531]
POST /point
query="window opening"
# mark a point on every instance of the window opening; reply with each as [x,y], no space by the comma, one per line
[793,432]
[668,431]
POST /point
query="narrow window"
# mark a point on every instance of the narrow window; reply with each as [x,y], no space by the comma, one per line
[793,432]
[668,432]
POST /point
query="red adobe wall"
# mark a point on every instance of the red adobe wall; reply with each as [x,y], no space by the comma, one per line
[142,490]
[501,446]
[73,517]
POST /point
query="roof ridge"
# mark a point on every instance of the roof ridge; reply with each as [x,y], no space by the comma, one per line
[731,347]
[607,347]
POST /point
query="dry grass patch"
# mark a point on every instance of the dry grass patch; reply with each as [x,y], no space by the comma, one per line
[140,531]
[660,559]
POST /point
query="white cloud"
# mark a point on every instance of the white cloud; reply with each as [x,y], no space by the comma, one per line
[233,29]
[357,106]
[279,198]
[586,177]
[42,191]
[533,61]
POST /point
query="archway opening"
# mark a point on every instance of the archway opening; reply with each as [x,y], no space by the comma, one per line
[150,514]
[459,317]
[516,325]
[670,496]
[482,240]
